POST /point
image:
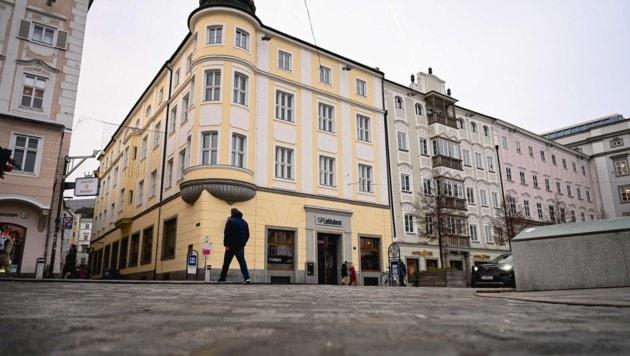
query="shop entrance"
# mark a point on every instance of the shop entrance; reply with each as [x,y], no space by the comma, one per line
[327,258]
[18,235]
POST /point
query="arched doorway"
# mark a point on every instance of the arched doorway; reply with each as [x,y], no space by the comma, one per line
[18,235]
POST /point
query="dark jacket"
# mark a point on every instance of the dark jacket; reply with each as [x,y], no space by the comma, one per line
[236,233]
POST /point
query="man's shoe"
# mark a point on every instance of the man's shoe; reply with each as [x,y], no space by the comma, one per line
[220,280]
[246,281]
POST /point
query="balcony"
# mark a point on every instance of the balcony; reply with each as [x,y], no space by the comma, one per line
[231,184]
[452,203]
[448,162]
[441,118]
[455,242]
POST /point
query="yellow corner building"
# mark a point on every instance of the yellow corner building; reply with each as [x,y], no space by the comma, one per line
[245,116]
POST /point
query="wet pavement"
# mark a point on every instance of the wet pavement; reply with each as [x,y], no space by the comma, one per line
[47,317]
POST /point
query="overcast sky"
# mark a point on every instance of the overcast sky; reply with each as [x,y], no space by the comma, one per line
[539,64]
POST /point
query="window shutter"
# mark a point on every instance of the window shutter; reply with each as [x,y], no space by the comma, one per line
[25,29]
[62,39]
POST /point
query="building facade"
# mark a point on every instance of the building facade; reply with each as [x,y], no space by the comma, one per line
[607,142]
[245,116]
[549,182]
[443,162]
[41,43]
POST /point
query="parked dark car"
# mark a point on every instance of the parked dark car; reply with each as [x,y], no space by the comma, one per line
[498,273]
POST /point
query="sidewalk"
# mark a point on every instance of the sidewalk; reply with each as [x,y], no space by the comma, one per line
[606,297]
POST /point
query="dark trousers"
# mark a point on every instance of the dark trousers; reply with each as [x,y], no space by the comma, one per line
[240,257]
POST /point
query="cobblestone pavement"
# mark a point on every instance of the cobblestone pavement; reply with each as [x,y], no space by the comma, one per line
[89,318]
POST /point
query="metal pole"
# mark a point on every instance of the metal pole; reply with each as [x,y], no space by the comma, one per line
[58,218]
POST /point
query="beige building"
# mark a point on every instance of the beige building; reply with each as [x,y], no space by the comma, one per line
[245,116]
[41,43]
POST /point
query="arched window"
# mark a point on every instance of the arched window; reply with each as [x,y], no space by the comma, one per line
[148,113]
[473,127]
[486,131]
[418,109]
[460,122]
[398,102]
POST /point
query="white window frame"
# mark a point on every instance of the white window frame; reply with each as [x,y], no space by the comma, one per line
[401,139]
[284,163]
[366,178]
[488,234]
[490,160]
[483,197]
[214,35]
[474,237]
[210,148]
[241,83]
[326,117]
[325,75]
[239,145]
[327,171]
[285,60]
[363,128]
[284,106]
[27,156]
[212,90]
[33,91]
[424,146]
[409,221]
[168,180]
[241,39]
[405,183]
[361,87]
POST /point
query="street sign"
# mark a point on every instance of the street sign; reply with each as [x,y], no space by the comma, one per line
[67,222]
[192,264]
[206,247]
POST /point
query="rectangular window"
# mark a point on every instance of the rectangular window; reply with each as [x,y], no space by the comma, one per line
[26,153]
[140,192]
[490,163]
[214,34]
[33,92]
[495,199]
[134,249]
[176,78]
[365,178]
[182,163]
[488,234]
[552,213]
[173,120]
[284,106]
[473,233]
[170,237]
[518,147]
[624,193]
[483,198]
[280,249]
[153,188]
[124,251]
[588,195]
[535,181]
[405,183]
[426,186]
[478,160]
[156,134]
[424,147]
[466,157]
[213,85]
[579,193]
[325,75]
[327,171]
[43,34]
[242,39]
[542,156]
[363,128]
[574,167]
[238,151]
[621,167]
[168,180]
[210,148]
[143,147]
[547,185]
[428,225]
[402,141]
[284,60]
[531,151]
[185,107]
[558,188]
[511,204]
[569,190]
[409,223]
[370,254]
[583,215]
[240,89]
[573,218]
[539,209]
[583,170]
[527,210]
[504,142]
[147,245]
[470,195]
[326,118]
[564,163]
[553,160]
[284,163]
[121,200]
[508,173]
[361,85]
[522,175]
[125,161]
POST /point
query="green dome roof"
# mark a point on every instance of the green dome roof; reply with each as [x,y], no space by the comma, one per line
[245,5]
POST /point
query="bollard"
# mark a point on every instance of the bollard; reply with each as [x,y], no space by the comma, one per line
[39,268]
[207,276]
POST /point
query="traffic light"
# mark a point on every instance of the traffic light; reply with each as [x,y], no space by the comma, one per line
[6,162]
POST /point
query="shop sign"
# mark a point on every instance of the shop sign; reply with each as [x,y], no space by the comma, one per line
[328,221]
[481,257]
[423,253]
[86,186]
[9,214]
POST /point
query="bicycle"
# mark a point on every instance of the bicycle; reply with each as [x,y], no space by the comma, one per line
[388,279]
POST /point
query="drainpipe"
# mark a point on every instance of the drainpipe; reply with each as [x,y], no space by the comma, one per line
[388,163]
[496,147]
[169,67]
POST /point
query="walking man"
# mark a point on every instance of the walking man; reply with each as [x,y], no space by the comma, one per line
[235,238]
